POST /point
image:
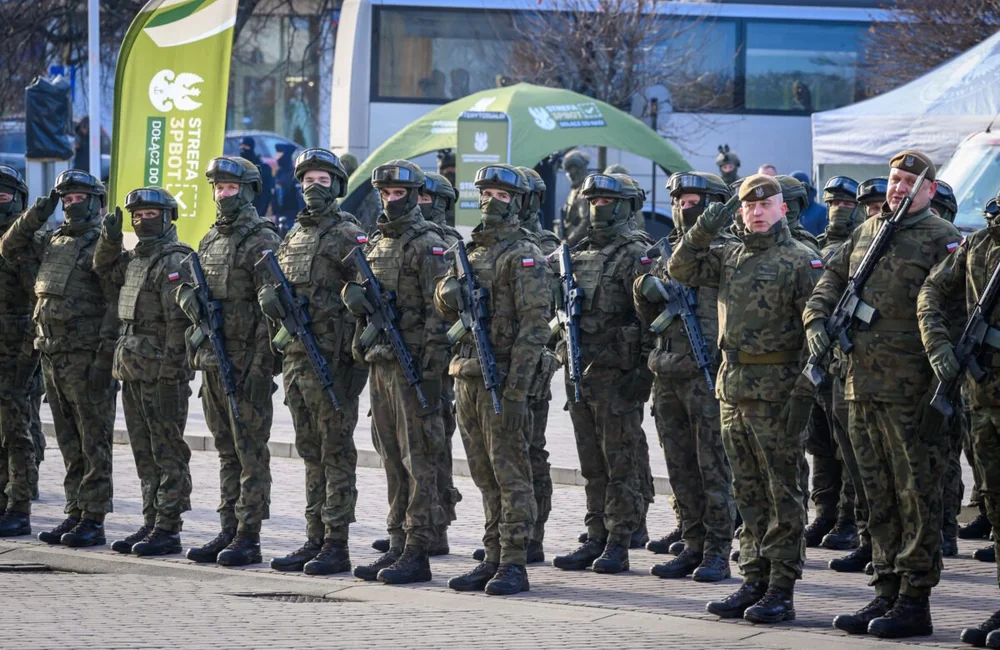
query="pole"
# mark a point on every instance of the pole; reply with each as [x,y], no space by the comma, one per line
[654,111]
[93,85]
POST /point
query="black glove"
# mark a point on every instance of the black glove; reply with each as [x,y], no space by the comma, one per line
[797,412]
[931,421]
[259,388]
[24,372]
[431,388]
[113,225]
[357,378]
[46,205]
[514,414]
[637,384]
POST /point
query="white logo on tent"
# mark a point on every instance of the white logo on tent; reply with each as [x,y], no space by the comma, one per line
[482,105]
[482,141]
[168,91]
[542,118]
[975,73]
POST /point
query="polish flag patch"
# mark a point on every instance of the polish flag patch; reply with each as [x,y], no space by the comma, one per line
[527,261]
[174,277]
[816,264]
[437,250]
[362,239]
[952,246]
[645,260]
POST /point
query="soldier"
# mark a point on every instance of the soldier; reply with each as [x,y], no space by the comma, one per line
[446,170]
[234,243]
[901,460]
[76,330]
[18,363]
[616,384]
[871,196]
[311,258]
[515,276]
[406,256]
[966,271]
[573,221]
[685,408]
[151,362]
[763,281]
[729,165]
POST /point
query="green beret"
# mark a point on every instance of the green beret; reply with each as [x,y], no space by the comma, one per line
[914,162]
[758,187]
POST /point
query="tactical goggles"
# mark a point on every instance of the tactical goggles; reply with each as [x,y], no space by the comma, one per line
[225,166]
[8,171]
[136,198]
[490,174]
[602,183]
[320,155]
[992,209]
[872,188]
[680,183]
[390,173]
[75,177]
[434,187]
[841,185]
[944,191]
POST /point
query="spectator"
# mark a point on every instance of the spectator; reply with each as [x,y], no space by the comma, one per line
[287,198]
[813,217]
[768,168]
[265,198]
[81,159]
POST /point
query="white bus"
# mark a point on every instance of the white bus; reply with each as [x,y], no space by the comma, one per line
[397,59]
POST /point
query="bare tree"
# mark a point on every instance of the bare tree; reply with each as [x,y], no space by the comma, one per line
[925,34]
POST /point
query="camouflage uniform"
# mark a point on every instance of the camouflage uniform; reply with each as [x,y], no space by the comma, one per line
[575,214]
[888,378]
[763,282]
[151,362]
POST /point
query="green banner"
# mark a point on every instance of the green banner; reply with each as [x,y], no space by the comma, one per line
[170,105]
[483,139]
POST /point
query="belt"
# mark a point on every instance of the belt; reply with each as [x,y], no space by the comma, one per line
[135,329]
[72,328]
[14,324]
[895,325]
[768,358]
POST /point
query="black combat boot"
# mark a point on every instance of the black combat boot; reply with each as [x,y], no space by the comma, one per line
[296,560]
[776,606]
[242,551]
[209,553]
[476,579]
[734,555]
[86,533]
[14,524]
[713,568]
[479,555]
[369,572]
[582,537]
[844,536]
[977,635]
[978,528]
[614,559]
[662,546]
[679,567]
[949,545]
[510,579]
[582,557]
[535,551]
[853,562]
[818,529]
[985,554]
[412,566]
[125,545]
[676,548]
[54,536]
[440,547]
[908,617]
[640,537]
[857,623]
[381,545]
[733,605]
[333,558]
[993,640]
[158,542]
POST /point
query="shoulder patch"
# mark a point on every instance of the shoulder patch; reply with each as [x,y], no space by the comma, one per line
[953,245]
[816,264]
[173,277]
[645,260]
[437,250]
[527,261]
[362,239]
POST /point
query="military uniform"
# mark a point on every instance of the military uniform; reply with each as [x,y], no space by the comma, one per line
[575,214]
[151,362]
[76,329]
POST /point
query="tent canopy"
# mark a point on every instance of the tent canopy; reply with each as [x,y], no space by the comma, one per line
[536,128]
[932,114]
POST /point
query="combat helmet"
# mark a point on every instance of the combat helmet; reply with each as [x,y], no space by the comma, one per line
[323,160]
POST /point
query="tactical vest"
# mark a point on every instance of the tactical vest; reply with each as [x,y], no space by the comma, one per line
[217,253]
[60,275]
[298,252]
[503,324]
[137,304]
[386,261]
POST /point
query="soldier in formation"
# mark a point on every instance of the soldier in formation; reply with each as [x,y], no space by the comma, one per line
[574,216]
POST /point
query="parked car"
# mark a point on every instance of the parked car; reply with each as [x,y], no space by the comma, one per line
[265,143]
[13,145]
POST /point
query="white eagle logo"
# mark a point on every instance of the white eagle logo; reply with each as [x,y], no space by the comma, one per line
[168,90]
[542,118]
[481,142]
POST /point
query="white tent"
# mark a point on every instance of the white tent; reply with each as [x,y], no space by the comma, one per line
[933,114]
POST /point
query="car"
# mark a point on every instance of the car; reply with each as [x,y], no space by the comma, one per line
[265,144]
[13,143]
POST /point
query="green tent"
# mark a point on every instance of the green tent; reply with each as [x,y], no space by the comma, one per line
[536,128]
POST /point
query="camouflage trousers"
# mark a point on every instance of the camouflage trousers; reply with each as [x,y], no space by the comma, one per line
[976,495]
[686,413]
[449,494]
[324,438]
[832,491]
[606,428]
[410,445]
[244,459]
[643,471]
[501,469]
[984,430]
[840,425]
[953,487]
[155,414]
[767,463]
[538,456]
[83,415]
[18,462]
[902,475]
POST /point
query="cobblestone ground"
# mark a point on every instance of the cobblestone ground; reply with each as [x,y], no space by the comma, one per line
[140,606]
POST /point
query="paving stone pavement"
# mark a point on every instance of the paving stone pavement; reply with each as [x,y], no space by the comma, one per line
[966,595]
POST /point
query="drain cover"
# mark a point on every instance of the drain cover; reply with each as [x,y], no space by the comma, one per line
[287,597]
[24,568]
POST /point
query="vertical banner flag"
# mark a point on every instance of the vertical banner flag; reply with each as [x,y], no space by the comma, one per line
[483,139]
[171,86]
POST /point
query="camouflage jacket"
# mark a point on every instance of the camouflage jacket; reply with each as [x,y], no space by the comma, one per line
[546,240]
[75,308]
[575,217]
[511,268]
[17,302]
[407,257]
[966,270]
[450,235]
[763,280]
[888,362]
[151,345]
[228,254]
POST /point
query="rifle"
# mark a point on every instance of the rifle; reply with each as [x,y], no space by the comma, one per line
[977,332]
[296,322]
[851,308]
[567,318]
[210,326]
[473,318]
[680,303]
[383,321]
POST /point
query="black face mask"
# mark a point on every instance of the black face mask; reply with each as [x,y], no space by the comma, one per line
[690,215]
[146,229]
[317,197]
[400,207]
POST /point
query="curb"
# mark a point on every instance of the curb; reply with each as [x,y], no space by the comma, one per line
[370,458]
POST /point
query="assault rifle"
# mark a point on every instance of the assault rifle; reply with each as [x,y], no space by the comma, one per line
[567,319]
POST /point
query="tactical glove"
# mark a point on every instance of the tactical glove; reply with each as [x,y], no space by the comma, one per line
[817,338]
[649,288]
[637,384]
[113,225]
[930,421]
[944,363]
[357,377]
[356,299]
[46,205]
[187,300]
[796,413]
[514,415]
[431,388]
[259,388]
[270,304]
[450,292]
[715,217]
[24,372]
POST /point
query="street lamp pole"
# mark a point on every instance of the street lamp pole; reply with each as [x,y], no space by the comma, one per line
[93,85]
